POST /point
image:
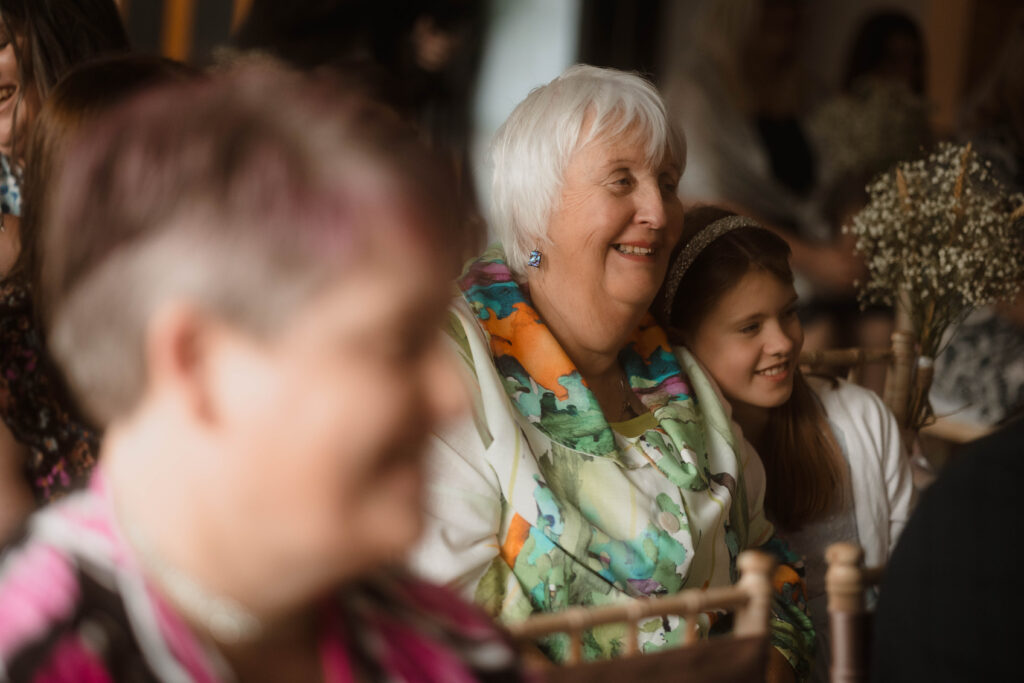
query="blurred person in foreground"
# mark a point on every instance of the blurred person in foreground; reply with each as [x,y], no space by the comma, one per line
[51,448]
[598,466]
[247,298]
[958,545]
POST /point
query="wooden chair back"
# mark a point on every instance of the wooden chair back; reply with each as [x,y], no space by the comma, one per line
[846,581]
[899,359]
[737,657]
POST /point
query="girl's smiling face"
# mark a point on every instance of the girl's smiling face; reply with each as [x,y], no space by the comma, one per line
[750,340]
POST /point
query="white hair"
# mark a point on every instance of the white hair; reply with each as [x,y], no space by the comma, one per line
[533,147]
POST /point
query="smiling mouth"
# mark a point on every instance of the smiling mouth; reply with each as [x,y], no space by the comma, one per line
[634,250]
[773,371]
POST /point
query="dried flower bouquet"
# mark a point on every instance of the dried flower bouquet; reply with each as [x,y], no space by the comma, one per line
[940,237]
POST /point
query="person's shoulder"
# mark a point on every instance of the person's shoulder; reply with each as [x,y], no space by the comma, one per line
[422,609]
[835,386]
[853,398]
[996,460]
[39,593]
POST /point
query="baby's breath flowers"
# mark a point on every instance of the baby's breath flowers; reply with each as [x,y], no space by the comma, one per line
[941,237]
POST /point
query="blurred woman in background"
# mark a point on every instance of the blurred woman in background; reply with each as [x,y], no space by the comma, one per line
[880,118]
[48,446]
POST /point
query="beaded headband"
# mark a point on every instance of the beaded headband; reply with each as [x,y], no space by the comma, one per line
[677,269]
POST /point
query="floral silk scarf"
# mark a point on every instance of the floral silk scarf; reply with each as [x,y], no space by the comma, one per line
[548,390]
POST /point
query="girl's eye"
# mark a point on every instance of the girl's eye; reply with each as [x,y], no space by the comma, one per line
[750,329]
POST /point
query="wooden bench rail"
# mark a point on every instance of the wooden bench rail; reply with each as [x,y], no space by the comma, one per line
[841,358]
[582,618]
[750,599]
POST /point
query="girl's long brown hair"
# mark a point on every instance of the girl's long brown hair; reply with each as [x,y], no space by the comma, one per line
[56,35]
[806,471]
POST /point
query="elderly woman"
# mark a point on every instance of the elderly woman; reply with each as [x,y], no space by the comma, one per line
[597,465]
[220,289]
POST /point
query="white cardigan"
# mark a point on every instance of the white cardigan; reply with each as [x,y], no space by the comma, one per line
[883,490]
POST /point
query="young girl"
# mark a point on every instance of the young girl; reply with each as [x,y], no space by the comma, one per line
[831,450]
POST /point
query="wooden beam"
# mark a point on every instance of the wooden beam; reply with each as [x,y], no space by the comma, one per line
[240,12]
[176,36]
[947,31]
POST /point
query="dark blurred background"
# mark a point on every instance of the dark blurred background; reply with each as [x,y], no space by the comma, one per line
[526,42]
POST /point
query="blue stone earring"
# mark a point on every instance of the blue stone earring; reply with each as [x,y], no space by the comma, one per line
[534,261]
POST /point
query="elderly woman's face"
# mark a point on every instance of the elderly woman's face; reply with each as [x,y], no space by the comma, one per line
[614,229]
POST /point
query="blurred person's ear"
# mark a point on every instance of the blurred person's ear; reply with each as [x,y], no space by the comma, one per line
[178,349]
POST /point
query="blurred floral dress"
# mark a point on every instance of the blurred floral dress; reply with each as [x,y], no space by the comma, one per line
[75,606]
[538,504]
[34,404]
